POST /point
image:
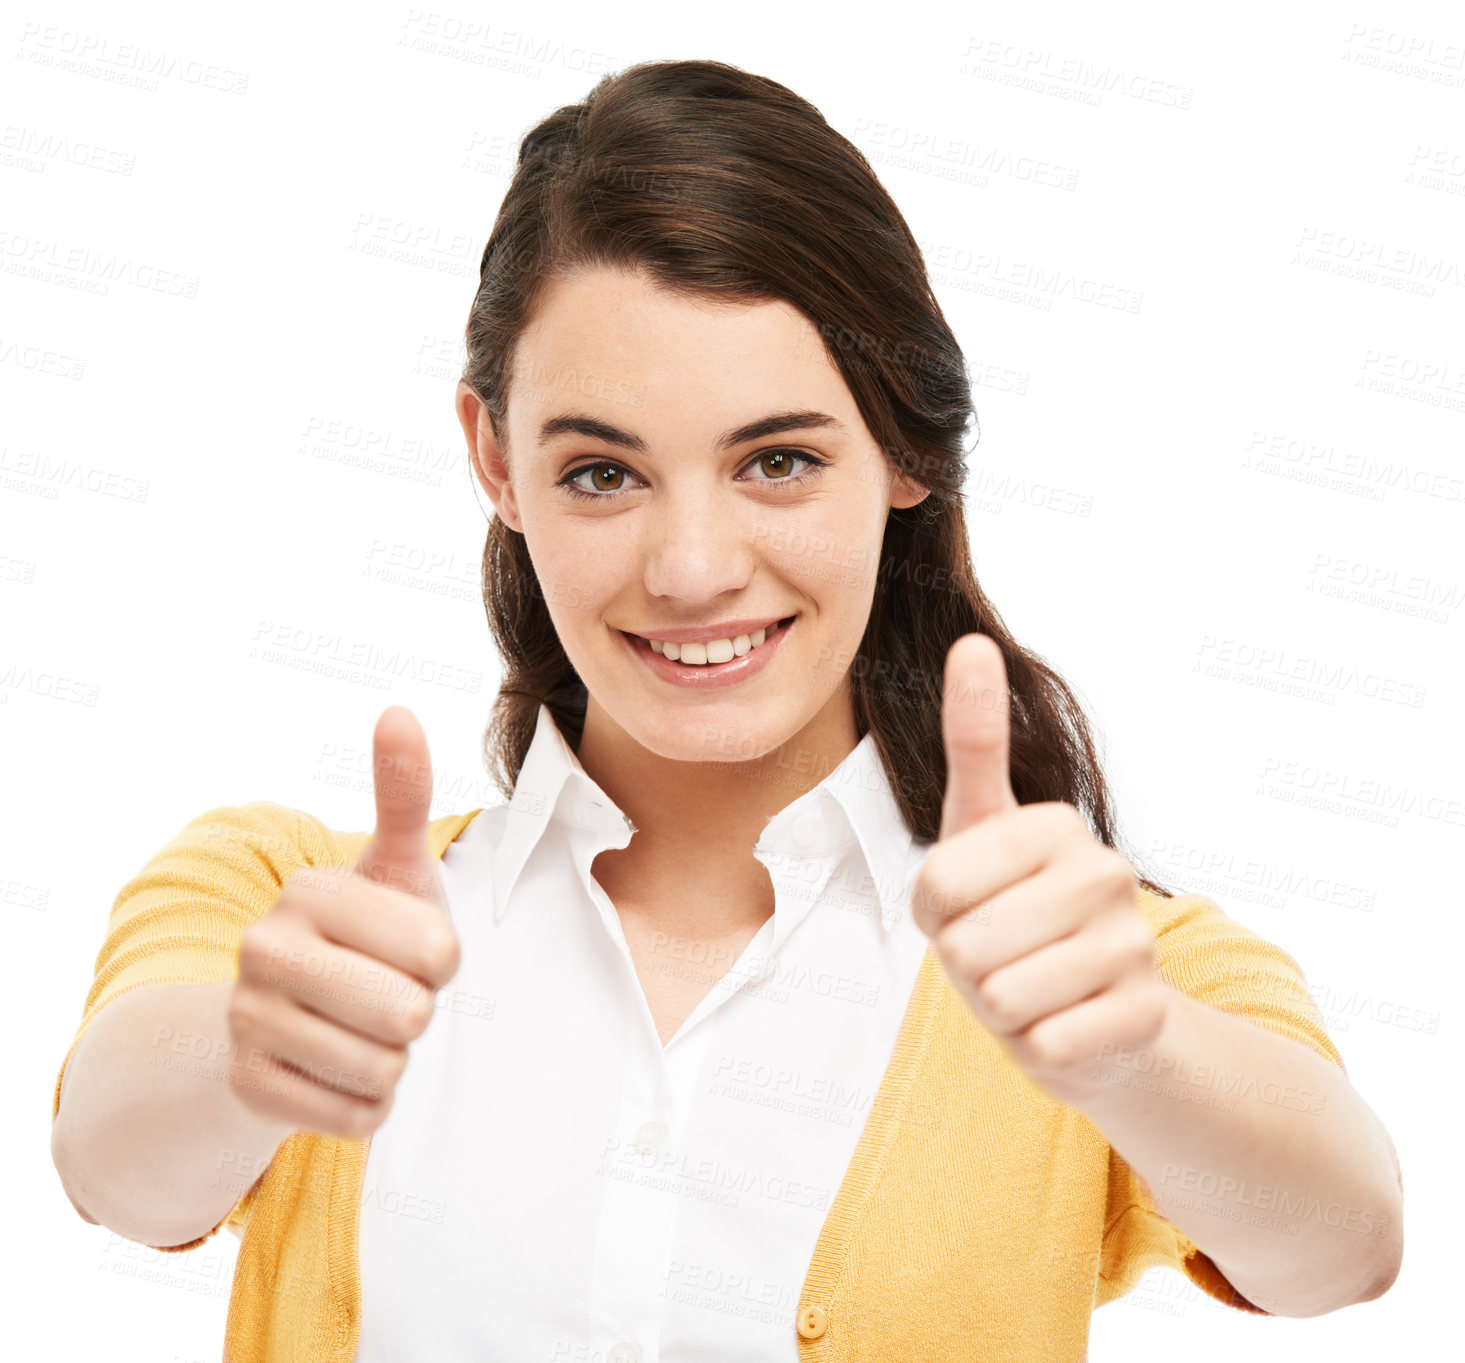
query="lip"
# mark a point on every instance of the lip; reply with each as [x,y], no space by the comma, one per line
[725,629]
[710,676]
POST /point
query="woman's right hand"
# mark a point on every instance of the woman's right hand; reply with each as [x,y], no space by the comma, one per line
[341,974]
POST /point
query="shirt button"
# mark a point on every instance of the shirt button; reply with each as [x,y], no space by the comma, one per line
[649,1138]
[624,1351]
[812,1322]
[805,828]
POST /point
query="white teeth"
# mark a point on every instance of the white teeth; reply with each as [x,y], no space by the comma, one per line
[711,651]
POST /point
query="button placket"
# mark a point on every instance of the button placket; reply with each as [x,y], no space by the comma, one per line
[638,1208]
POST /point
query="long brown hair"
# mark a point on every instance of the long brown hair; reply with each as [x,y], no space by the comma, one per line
[724,184]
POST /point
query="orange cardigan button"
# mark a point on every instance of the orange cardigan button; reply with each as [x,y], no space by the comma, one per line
[812,1322]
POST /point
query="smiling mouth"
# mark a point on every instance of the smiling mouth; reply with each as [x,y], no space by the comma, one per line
[712,651]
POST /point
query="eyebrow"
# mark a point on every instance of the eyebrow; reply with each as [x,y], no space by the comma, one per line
[776,423]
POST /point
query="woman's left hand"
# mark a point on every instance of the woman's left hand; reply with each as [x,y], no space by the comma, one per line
[1035,921]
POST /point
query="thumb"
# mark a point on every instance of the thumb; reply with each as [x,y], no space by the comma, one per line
[976,729]
[398,853]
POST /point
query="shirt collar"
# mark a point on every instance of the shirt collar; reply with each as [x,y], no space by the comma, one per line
[852,804]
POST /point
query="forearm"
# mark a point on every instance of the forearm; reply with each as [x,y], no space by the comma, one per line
[150,1138]
[1261,1152]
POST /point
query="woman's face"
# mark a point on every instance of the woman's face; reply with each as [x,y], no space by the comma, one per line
[649,511]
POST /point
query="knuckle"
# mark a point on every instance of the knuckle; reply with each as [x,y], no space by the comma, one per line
[1062,817]
[937,887]
[370,1115]
[355,1120]
[380,1067]
[257,945]
[1116,874]
[935,876]
[441,952]
[923,892]
[394,1065]
[420,1010]
[398,1024]
[1050,1050]
[410,1021]
[958,953]
[1133,941]
[998,1001]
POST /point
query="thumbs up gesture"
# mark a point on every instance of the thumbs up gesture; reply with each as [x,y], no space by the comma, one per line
[398,854]
[340,975]
[1034,920]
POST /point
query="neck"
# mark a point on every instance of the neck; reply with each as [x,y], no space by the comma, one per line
[697,821]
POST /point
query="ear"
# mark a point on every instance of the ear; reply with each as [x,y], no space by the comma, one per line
[486,454]
[904,492]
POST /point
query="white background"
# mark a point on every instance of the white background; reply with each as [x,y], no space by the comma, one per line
[1280,192]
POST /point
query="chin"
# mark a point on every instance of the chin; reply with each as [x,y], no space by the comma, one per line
[720,729]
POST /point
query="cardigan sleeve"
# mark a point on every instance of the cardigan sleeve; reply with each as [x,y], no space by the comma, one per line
[180,918]
[1215,959]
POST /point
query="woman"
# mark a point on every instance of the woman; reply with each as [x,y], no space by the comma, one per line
[931,1073]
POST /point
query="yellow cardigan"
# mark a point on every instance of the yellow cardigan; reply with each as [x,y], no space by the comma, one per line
[978,1218]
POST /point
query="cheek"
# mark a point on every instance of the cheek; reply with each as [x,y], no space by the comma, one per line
[833,555]
[579,572]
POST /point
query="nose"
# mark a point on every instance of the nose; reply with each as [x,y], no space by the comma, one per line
[700,543]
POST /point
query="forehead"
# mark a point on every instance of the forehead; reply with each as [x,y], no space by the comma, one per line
[620,335]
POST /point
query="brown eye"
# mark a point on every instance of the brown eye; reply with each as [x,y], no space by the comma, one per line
[603,478]
[777,465]
[785,466]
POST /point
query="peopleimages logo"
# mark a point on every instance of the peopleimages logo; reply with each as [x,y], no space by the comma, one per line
[122,63]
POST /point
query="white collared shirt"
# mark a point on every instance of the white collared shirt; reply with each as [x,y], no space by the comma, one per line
[552,1183]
